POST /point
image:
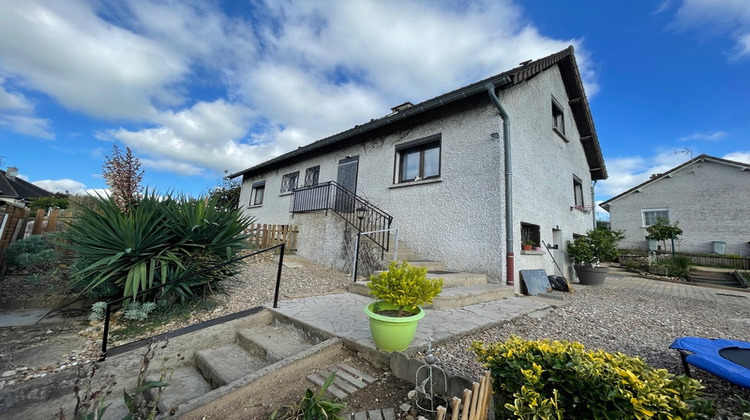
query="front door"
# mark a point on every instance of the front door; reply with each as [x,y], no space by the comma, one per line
[347,178]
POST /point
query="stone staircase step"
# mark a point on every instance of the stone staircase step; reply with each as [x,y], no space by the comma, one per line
[457,278]
[185,383]
[273,342]
[348,380]
[455,297]
[222,365]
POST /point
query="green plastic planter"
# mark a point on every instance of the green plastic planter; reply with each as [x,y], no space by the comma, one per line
[392,333]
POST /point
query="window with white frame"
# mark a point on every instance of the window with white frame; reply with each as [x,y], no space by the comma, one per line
[312,175]
[419,159]
[578,191]
[650,216]
[289,181]
[257,192]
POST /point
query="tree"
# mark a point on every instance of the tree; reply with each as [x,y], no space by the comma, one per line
[227,194]
[58,200]
[123,175]
[662,230]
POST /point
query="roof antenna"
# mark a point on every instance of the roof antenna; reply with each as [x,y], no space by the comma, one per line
[687,151]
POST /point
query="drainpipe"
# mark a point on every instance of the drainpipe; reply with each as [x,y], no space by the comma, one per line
[593,202]
[509,255]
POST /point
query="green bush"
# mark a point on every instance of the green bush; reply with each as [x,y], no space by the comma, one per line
[34,252]
[561,380]
[405,286]
[599,245]
[160,240]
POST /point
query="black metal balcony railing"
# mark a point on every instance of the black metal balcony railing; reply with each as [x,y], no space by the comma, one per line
[332,196]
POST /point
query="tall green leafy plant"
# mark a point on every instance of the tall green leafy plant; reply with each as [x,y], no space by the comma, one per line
[599,245]
[159,240]
[405,286]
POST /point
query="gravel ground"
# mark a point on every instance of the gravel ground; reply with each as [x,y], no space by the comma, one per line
[633,323]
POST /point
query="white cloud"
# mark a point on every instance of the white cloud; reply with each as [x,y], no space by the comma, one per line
[743,157]
[717,18]
[62,185]
[705,136]
[17,114]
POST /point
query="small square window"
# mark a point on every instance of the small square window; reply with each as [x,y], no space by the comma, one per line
[289,181]
[558,118]
[418,160]
[256,194]
[651,216]
[312,175]
[530,233]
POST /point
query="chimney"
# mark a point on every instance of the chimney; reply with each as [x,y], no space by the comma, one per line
[12,172]
[403,107]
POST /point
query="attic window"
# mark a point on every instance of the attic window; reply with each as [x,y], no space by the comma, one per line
[558,119]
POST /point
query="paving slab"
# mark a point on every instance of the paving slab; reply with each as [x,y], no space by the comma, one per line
[25,317]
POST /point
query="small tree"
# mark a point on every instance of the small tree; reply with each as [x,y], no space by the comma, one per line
[227,194]
[123,175]
[662,230]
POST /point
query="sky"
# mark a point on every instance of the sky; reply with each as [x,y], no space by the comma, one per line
[197,88]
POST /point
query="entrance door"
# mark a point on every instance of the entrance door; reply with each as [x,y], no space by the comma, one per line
[347,178]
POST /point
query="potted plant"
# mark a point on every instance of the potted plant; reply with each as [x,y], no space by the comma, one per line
[527,245]
[394,316]
[587,252]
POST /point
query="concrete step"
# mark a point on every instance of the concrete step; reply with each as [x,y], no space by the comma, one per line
[456,297]
[273,342]
[452,280]
[457,278]
[348,380]
[222,365]
[185,383]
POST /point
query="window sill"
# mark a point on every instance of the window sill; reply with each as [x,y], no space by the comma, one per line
[255,206]
[532,252]
[286,193]
[562,136]
[412,183]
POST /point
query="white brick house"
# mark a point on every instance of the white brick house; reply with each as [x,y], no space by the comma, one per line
[439,170]
[708,196]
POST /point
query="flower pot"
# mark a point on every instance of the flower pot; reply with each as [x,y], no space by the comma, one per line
[591,276]
[392,333]
[525,247]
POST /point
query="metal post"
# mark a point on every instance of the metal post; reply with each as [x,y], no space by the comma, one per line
[278,276]
[106,332]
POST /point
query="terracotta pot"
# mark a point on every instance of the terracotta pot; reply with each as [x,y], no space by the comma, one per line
[525,247]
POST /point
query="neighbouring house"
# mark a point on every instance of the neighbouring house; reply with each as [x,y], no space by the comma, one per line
[707,195]
[465,177]
[18,191]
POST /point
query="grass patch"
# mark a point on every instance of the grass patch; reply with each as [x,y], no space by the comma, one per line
[162,315]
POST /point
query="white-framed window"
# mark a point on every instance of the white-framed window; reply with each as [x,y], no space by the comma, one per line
[578,191]
[257,193]
[651,215]
[312,175]
[419,159]
[289,181]
[558,118]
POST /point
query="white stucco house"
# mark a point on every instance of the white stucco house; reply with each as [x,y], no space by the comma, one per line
[707,195]
[466,177]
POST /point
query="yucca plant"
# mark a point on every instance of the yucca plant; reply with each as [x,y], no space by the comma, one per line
[159,240]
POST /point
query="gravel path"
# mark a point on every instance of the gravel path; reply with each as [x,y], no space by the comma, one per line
[637,323]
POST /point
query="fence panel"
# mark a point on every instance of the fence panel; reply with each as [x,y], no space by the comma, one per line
[712,261]
[264,235]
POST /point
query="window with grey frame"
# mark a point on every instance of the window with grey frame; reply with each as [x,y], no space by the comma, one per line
[558,118]
[578,191]
[418,159]
[311,176]
[289,181]
[257,193]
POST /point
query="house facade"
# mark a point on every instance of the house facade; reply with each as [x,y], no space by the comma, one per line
[465,177]
[15,190]
[706,195]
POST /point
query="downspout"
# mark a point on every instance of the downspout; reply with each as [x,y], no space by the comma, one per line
[509,255]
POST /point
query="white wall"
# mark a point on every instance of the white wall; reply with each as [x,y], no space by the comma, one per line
[709,199]
[460,218]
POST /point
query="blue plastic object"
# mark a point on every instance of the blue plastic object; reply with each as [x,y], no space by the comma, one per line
[727,359]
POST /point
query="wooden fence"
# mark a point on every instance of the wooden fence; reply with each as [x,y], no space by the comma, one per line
[711,261]
[16,224]
[264,236]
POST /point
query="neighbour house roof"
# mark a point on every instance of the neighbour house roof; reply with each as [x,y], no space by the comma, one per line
[565,59]
[656,178]
[17,188]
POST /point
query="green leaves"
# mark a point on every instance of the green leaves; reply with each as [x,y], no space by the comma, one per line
[599,245]
[405,286]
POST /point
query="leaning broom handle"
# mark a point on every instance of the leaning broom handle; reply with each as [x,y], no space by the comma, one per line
[455,403]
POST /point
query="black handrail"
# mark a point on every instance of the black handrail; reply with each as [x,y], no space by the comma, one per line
[332,196]
[108,311]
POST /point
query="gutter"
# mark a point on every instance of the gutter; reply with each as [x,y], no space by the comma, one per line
[509,255]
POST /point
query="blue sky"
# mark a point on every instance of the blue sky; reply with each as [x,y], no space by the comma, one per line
[196,88]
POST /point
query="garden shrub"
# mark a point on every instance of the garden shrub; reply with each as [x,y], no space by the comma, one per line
[561,380]
[33,252]
[157,241]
